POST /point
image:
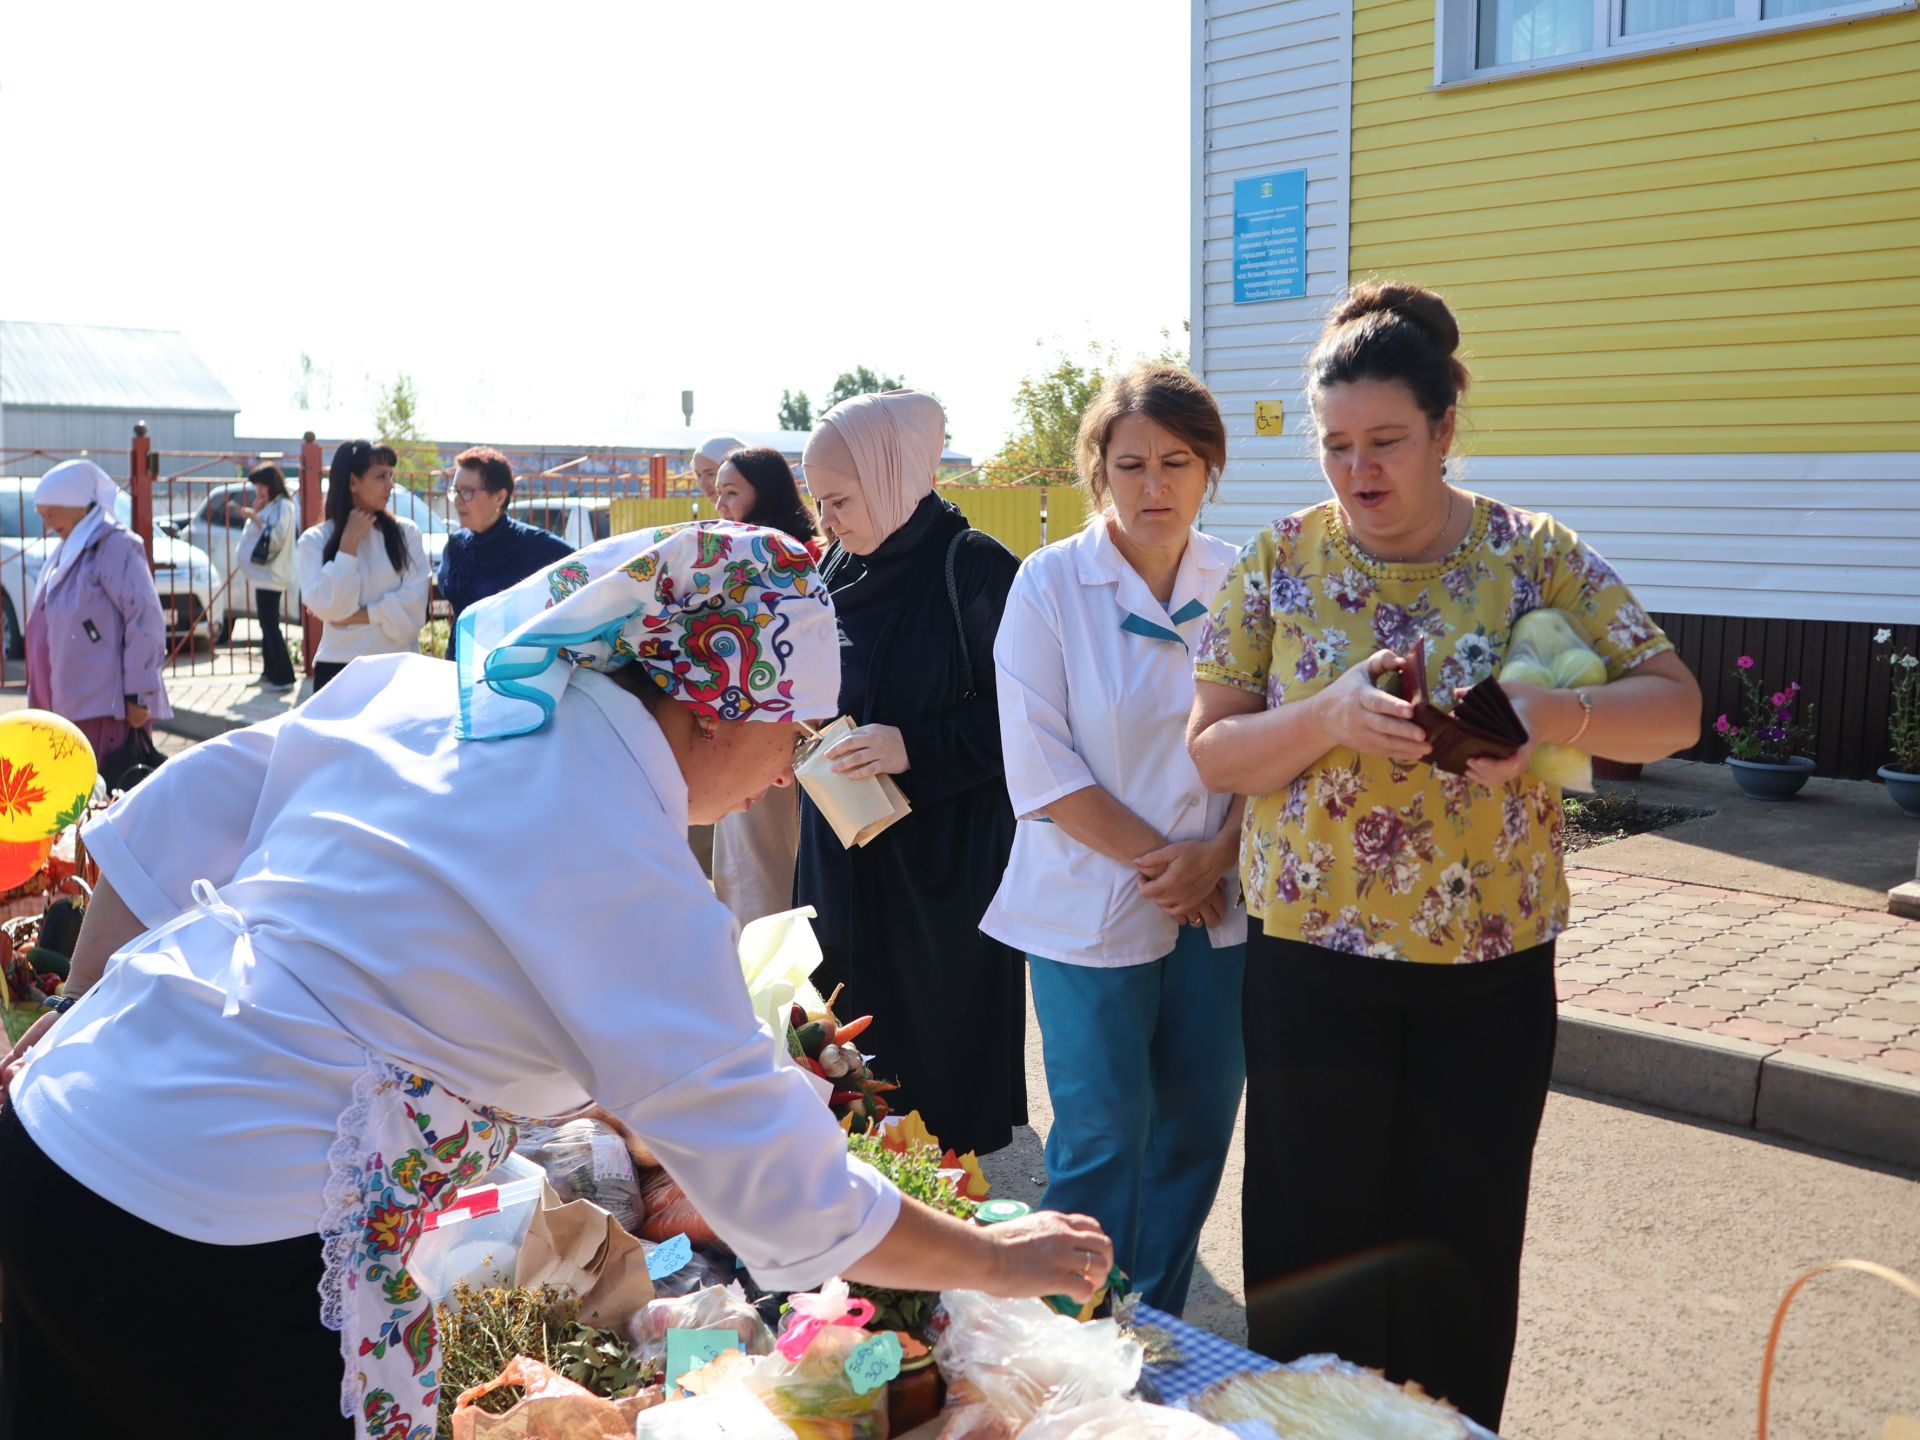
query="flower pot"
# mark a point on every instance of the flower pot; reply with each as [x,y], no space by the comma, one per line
[1764,781]
[1903,788]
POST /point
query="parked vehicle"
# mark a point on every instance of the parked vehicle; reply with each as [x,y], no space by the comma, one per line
[216,525]
[184,574]
[578,520]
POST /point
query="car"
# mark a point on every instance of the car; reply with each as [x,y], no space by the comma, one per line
[578,520]
[216,524]
[184,574]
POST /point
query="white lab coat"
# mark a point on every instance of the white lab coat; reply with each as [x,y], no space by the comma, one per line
[396,605]
[520,920]
[1090,696]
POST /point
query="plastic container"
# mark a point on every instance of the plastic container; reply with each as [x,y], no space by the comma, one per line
[476,1240]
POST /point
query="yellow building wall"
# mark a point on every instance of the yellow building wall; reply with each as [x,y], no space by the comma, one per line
[1012,514]
[1714,251]
[640,514]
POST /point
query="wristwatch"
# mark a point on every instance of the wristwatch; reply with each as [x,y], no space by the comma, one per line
[60,1004]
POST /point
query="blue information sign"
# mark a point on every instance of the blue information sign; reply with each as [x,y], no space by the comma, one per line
[1270,237]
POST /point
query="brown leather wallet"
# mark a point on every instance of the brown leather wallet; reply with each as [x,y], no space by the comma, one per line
[1482,725]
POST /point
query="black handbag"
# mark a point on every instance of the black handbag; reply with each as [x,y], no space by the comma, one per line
[127,766]
[263,547]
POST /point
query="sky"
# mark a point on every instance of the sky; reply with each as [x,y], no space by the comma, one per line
[556,217]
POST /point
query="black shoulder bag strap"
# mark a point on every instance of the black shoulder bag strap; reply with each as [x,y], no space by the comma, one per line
[953,597]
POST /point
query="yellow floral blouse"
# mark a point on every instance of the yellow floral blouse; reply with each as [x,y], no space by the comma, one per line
[1359,853]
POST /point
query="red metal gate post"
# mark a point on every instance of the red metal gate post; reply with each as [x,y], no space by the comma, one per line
[141,466]
[312,505]
[657,476]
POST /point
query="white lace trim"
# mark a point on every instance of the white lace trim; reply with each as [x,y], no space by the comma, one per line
[346,1168]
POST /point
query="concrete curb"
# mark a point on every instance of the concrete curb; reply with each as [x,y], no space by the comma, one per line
[1829,1103]
[195,726]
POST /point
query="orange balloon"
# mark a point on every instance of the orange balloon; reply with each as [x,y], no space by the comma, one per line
[21,860]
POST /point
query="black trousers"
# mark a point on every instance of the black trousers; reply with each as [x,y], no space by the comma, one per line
[115,1327]
[277,664]
[1392,1110]
[323,671]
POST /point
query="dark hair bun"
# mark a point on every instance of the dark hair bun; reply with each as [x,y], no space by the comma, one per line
[1410,302]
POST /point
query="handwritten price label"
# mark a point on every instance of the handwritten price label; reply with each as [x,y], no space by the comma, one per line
[690,1349]
[874,1363]
[669,1257]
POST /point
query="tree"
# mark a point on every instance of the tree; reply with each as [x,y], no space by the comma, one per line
[860,381]
[397,419]
[796,410]
[1049,406]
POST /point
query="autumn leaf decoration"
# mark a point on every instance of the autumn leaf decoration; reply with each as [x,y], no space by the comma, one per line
[18,793]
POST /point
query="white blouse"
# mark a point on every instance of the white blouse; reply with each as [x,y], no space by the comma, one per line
[519,919]
[1095,685]
[396,605]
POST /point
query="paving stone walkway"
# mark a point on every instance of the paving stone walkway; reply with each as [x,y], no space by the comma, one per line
[1804,976]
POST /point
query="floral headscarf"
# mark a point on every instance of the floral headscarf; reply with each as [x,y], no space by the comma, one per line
[729,620]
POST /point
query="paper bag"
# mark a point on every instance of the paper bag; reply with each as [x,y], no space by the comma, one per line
[581,1247]
[857,810]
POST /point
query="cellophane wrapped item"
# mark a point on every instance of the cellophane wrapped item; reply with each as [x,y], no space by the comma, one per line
[1547,649]
[1010,1362]
[1117,1419]
[813,1397]
[551,1407]
[715,1308]
[585,1160]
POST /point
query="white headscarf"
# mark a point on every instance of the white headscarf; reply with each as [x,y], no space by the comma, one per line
[717,447]
[74,482]
[889,445]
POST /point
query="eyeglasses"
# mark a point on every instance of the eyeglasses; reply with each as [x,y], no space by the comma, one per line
[464,493]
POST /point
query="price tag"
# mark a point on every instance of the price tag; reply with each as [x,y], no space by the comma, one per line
[874,1363]
[610,1159]
[690,1349]
[669,1257]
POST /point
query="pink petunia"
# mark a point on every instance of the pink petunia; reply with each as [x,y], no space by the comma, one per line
[1745,662]
[1722,725]
[1780,699]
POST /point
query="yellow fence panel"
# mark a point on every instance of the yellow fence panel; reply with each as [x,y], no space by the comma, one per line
[626,515]
[1009,513]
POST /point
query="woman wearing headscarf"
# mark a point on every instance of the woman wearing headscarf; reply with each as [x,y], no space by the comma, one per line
[491,551]
[308,1005]
[919,594]
[96,637]
[363,569]
[753,851]
[707,461]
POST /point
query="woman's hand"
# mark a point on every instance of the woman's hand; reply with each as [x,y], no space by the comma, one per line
[359,525]
[870,750]
[246,512]
[138,715]
[17,1056]
[1542,712]
[1048,1253]
[1181,878]
[1359,715]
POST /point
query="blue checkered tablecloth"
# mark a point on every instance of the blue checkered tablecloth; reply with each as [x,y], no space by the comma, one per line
[1204,1358]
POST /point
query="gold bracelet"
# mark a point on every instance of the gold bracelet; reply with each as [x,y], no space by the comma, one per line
[1586,718]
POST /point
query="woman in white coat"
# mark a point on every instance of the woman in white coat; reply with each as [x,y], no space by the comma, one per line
[348,944]
[1122,887]
[266,558]
[370,591]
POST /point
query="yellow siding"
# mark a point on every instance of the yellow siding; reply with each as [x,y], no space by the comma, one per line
[1009,513]
[1710,251]
[625,515]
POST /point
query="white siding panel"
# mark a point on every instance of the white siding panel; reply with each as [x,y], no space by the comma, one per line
[1274,82]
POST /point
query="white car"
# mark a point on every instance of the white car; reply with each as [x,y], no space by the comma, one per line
[216,525]
[576,519]
[183,574]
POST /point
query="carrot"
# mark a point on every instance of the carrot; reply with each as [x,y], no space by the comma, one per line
[852,1030]
[881,1087]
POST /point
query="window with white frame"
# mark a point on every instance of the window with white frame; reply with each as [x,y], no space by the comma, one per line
[1487,39]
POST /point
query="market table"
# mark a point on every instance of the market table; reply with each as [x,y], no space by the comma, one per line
[1199,1358]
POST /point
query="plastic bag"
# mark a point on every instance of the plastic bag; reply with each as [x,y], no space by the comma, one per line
[701,1271]
[1008,1361]
[670,1213]
[552,1408]
[1117,1419]
[813,1396]
[733,1413]
[1547,649]
[476,1239]
[585,1160]
[715,1308]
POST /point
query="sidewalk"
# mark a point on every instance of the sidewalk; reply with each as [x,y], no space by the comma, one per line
[1740,967]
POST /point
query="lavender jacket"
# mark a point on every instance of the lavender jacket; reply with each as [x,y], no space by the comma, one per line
[71,672]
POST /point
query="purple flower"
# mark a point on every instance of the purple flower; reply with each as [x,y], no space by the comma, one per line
[1745,662]
[1723,725]
[1307,666]
[1346,936]
[1793,689]
[1291,595]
